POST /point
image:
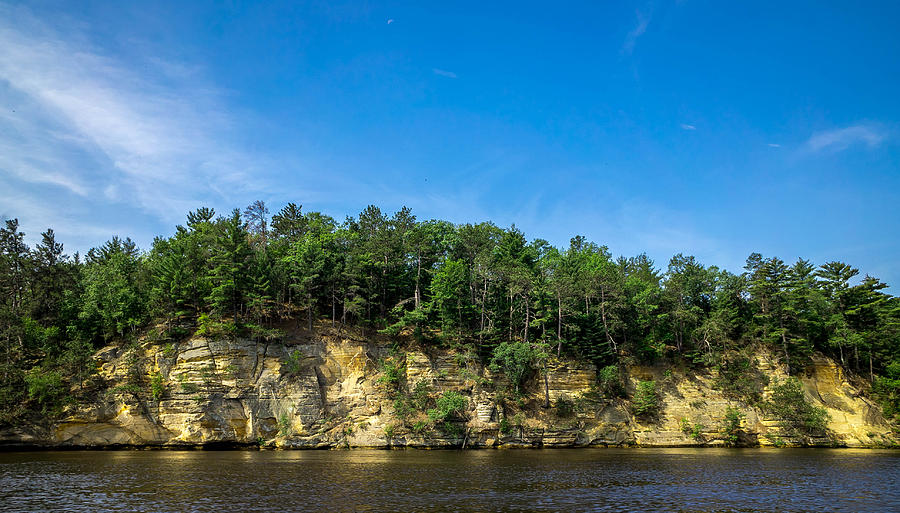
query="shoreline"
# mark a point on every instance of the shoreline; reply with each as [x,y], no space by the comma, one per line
[238,446]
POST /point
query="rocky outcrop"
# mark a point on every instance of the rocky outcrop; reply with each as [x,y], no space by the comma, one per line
[323,390]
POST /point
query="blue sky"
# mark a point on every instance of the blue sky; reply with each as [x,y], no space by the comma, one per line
[698,127]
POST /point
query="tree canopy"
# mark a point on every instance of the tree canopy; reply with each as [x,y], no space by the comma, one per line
[478,285]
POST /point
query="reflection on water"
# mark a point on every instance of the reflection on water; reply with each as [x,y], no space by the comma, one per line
[541,480]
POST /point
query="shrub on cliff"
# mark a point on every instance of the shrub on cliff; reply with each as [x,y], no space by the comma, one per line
[796,415]
[740,378]
[731,425]
[449,406]
[609,381]
[887,390]
[47,389]
[646,400]
[392,368]
[517,360]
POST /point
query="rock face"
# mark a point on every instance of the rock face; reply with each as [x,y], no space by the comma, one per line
[326,390]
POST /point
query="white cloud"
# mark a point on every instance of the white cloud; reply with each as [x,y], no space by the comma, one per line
[390,21]
[774,145]
[633,35]
[444,73]
[685,126]
[154,132]
[842,138]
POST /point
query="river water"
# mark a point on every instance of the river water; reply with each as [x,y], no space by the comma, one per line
[689,480]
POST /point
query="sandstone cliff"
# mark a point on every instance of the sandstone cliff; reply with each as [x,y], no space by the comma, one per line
[207,392]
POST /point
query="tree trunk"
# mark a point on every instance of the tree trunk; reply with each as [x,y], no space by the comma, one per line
[511,320]
[559,325]
[609,337]
[418,275]
[787,358]
[871,371]
[483,302]
[527,318]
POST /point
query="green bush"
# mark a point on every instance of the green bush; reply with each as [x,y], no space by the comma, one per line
[517,360]
[695,430]
[293,364]
[450,405]
[47,389]
[420,397]
[505,427]
[887,390]
[402,408]
[646,400]
[796,414]
[610,382]
[13,391]
[740,378]
[210,327]
[190,388]
[565,407]
[284,425]
[419,427]
[392,370]
[157,386]
[407,404]
[731,425]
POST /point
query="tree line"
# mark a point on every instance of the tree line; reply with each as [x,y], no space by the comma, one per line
[247,272]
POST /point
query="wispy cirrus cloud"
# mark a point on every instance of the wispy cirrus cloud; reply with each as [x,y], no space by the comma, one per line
[631,38]
[85,121]
[444,73]
[685,126]
[842,138]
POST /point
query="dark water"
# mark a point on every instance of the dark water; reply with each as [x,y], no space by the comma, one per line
[523,480]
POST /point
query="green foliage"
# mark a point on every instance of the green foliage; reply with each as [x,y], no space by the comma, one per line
[740,378]
[294,364]
[285,428]
[449,406]
[47,389]
[517,360]
[189,388]
[112,301]
[564,407]
[507,299]
[209,326]
[697,432]
[505,427]
[393,371]
[887,390]
[694,430]
[731,425]
[420,396]
[645,402]
[419,427]
[157,386]
[795,413]
[609,381]
[390,431]
[129,389]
